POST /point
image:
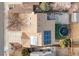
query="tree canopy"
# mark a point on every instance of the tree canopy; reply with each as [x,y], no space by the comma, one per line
[44,6]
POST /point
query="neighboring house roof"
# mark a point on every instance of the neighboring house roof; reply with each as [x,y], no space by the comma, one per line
[61,6]
[22,9]
[31,3]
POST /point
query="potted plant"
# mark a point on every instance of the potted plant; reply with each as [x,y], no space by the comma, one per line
[44,6]
[65,43]
[25,52]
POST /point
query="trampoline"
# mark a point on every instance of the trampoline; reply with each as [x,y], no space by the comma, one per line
[63,31]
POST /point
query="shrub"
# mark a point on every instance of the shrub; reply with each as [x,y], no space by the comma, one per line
[65,43]
[25,52]
[44,7]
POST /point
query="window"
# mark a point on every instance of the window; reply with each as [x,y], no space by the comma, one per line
[50,16]
[47,37]
[77,17]
[33,40]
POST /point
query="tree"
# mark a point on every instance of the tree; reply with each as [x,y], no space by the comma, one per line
[44,6]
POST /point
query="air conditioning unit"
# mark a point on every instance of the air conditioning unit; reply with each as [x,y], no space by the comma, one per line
[75,17]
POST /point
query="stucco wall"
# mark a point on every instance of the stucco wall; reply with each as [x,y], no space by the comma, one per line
[45,25]
[31,23]
[75,38]
[31,27]
[62,18]
[76,51]
[75,31]
[62,51]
